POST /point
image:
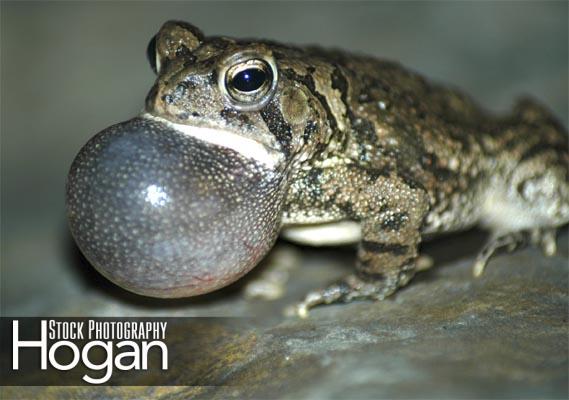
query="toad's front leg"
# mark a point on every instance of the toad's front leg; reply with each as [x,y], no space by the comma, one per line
[388,251]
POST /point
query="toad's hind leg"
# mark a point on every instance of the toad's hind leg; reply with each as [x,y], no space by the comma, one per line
[387,254]
[532,204]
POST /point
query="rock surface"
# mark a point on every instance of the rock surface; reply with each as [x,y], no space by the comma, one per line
[446,335]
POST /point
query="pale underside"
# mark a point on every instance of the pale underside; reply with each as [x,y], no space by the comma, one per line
[325,234]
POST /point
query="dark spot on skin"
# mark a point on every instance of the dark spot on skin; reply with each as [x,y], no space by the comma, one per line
[310,128]
[339,82]
[345,206]
[181,90]
[168,99]
[408,180]
[368,276]
[320,147]
[431,163]
[208,63]
[279,55]
[541,148]
[377,172]
[365,130]
[395,221]
[342,287]
[378,247]
[313,182]
[228,113]
[444,174]
[196,114]
[183,51]
[372,89]
[278,126]
[213,77]
[511,142]
[231,115]
[190,60]
[461,137]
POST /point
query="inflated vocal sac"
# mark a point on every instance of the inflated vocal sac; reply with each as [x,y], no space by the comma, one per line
[163,214]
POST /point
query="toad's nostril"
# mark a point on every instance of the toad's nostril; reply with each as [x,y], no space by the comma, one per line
[163,214]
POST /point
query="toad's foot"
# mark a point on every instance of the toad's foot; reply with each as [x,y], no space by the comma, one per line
[344,291]
[271,284]
[510,241]
[353,288]
[546,239]
[424,262]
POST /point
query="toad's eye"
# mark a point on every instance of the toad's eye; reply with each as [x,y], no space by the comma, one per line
[249,79]
[248,85]
[152,55]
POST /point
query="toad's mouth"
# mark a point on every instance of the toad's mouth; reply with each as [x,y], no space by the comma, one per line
[249,148]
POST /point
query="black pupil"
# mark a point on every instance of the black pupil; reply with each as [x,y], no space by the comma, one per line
[249,79]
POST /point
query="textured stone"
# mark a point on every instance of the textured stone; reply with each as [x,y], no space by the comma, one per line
[504,335]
